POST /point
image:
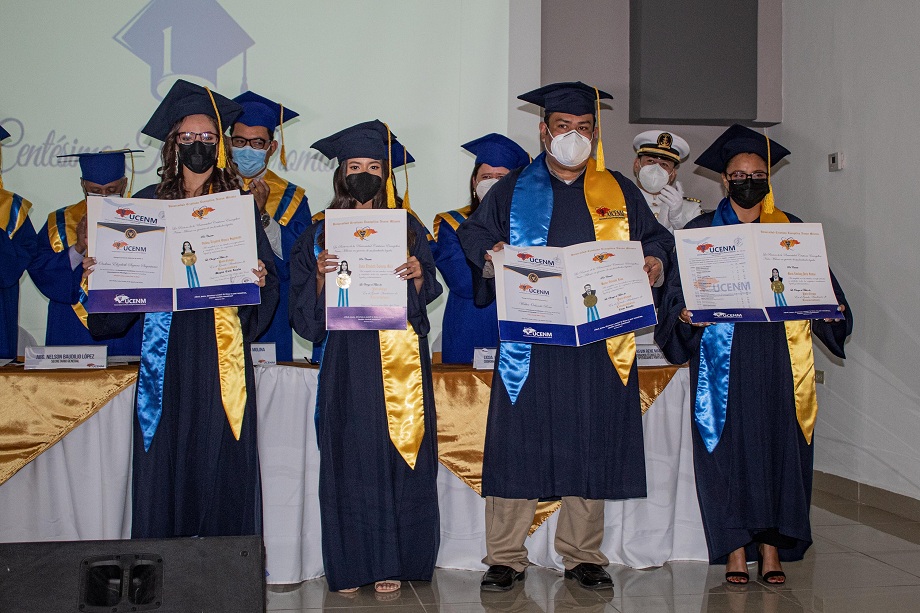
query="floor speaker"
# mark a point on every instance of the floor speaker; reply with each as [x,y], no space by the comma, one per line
[204,575]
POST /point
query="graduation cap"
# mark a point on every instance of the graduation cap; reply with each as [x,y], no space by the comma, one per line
[371,139]
[103,167]
[739,139]
[260,111]
[184,99]
[497,150]
[183,37]
[3,134]
[573,98]
[662,144]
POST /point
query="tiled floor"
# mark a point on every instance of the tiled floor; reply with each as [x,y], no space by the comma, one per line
[863,559]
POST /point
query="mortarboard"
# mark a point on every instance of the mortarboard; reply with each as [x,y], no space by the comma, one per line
[202,37]
[184,99]
[497,150]
[739,139]
[4,134]
[103,167]
[260,111]
[574,98]
[661,143]
[371,139]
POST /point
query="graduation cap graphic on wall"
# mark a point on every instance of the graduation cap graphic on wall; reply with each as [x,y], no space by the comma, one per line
[188,39]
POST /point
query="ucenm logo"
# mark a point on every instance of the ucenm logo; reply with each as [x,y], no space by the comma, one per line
[125,300]
[724,315]
[528,331]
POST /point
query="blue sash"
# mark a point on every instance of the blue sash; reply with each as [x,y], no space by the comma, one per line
[151,373]
[531,211]
[711,404]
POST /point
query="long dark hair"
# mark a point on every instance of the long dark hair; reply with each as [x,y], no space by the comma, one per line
[474,197]
[172,185]
[343,200]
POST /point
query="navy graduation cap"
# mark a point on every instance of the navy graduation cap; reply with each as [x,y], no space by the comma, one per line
[739,139]
[102,167]
[497,150]
[4,134]
[364,140]
[184,99]
[574,98]
[260,111]
[183,37]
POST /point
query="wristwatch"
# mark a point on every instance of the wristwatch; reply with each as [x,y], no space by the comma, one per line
[266,219]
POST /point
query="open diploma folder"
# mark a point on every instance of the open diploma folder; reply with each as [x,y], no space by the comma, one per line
[756,272]
[171,255]
[364,293]
[571,295]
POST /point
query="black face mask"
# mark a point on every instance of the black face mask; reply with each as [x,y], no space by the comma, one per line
[363,186]
[198,157]
[748,193]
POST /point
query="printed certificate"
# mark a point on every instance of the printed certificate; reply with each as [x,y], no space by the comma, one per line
[364,293]
[756,272]
[574,295]
[172,255]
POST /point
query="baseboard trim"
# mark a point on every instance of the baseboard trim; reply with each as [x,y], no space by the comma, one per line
[898,504]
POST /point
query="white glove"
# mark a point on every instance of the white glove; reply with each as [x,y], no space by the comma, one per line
[671,197]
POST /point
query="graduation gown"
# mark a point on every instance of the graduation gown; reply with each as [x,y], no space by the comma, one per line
[287,204]
[60,283]
[17,249]
[575,429]
[197,479]
[380,518]
[756,484]
[465,326]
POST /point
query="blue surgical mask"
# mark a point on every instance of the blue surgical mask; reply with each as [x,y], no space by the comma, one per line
[249,161]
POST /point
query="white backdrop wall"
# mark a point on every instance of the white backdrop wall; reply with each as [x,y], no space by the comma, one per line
[851,83]
[82,76]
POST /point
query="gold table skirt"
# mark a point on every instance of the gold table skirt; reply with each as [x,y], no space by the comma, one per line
[39,407]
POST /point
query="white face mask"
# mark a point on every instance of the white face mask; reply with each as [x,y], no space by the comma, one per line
[570,149]
[483,187]
[652,178]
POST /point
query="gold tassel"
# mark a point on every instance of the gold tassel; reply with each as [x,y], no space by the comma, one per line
[406,172]
[600,166]
[1,167]
[221,154]
[768,205]
[281,127]
[131,184]
[391,193]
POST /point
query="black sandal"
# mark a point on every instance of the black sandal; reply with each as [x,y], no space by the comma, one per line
[737,575]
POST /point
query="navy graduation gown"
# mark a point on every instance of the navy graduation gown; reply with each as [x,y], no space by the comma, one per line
[380,518]
[575,430]
[197,479]
[52,274]
[15,256]
[289,195]
[756,484]
[465,326]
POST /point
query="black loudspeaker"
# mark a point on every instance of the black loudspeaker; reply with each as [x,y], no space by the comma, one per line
[200,575]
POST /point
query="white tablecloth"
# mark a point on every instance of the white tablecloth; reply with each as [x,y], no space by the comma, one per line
[81,488]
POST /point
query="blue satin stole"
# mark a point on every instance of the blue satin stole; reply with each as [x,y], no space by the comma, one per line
[711,406]
[531,211]
[151,374]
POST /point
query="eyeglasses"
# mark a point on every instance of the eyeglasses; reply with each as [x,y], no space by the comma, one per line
[187,138]
[256,143]
[743,176]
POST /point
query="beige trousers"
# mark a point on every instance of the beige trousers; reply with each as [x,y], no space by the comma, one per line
[579,531]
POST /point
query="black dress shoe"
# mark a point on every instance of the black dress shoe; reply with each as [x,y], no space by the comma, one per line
[590,576]
[500,578]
